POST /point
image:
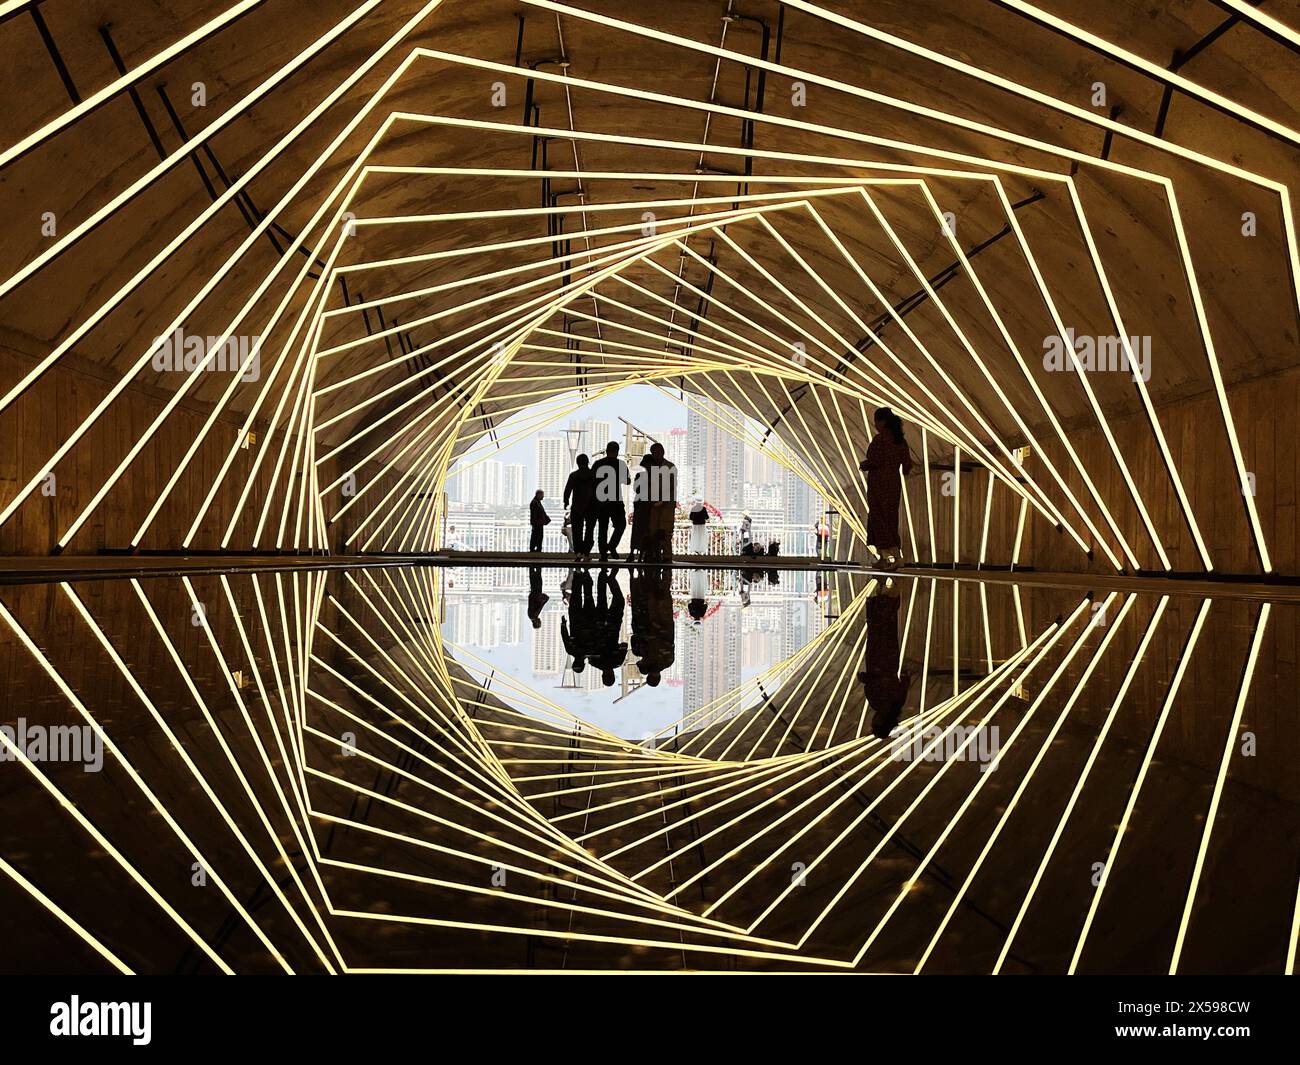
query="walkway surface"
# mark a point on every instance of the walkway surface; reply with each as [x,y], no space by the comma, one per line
[43,568]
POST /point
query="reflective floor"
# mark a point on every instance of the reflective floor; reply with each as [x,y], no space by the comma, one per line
[403,768]
[631,652]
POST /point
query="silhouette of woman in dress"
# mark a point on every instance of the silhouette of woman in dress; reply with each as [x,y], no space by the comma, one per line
[887,454]
[883,685]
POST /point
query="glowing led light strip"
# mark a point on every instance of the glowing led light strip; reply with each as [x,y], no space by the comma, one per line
[1234,728]
[67,118]
[176,744]
[929,786]
[1139,656]
[1023,786]
[1175,684]
[973,352]
[18,754]
[190,146]
[1163,145]
[824,811]
[1169,77]
[65,917]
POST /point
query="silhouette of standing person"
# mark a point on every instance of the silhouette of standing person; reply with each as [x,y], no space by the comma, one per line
[579,630]
[886,455]
[699,515]
[652,622]
[580,498]
[661,500]
[609,653]
[537,599]
[538,519]
[637,538]
[745,534]
[884,687]
[611,475]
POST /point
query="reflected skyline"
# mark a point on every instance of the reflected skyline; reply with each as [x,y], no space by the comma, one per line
[746,625]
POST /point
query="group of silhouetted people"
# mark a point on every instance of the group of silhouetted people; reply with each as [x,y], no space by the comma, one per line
[596,514]
[592,627]
[596,508]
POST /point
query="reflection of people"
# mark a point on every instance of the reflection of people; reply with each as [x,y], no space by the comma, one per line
[883,686]
[609,652]
[886,455]
[699,583]
[538,519]
[742,586]
[578,630]
[580,498]
[652,621]
[611,475]
[537,599]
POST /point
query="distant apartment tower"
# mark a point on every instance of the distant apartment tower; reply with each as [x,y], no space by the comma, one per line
[761,468]
[711,664]
[676,446]
[717,456]
[588,437]
[548,658]
[552,467]
[801,504]
[512,485]
[481,483]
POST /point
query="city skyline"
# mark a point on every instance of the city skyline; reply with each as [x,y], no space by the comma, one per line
[748,629]
[712,464]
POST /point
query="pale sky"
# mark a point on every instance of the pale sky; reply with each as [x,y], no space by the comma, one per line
[643,404]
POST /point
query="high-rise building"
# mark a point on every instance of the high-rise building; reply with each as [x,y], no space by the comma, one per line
[801,509]
[548,652]
[716,457]
[587,437]
[761,468]
[512,485]
[676,447]
[552,467]
[711,664]
[485,482]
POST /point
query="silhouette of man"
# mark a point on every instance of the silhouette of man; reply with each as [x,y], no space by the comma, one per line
[610,652]
[580,499]
[611,475]
[579,630]
[652,622]
[537,599]
[538,519]
[661,504]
